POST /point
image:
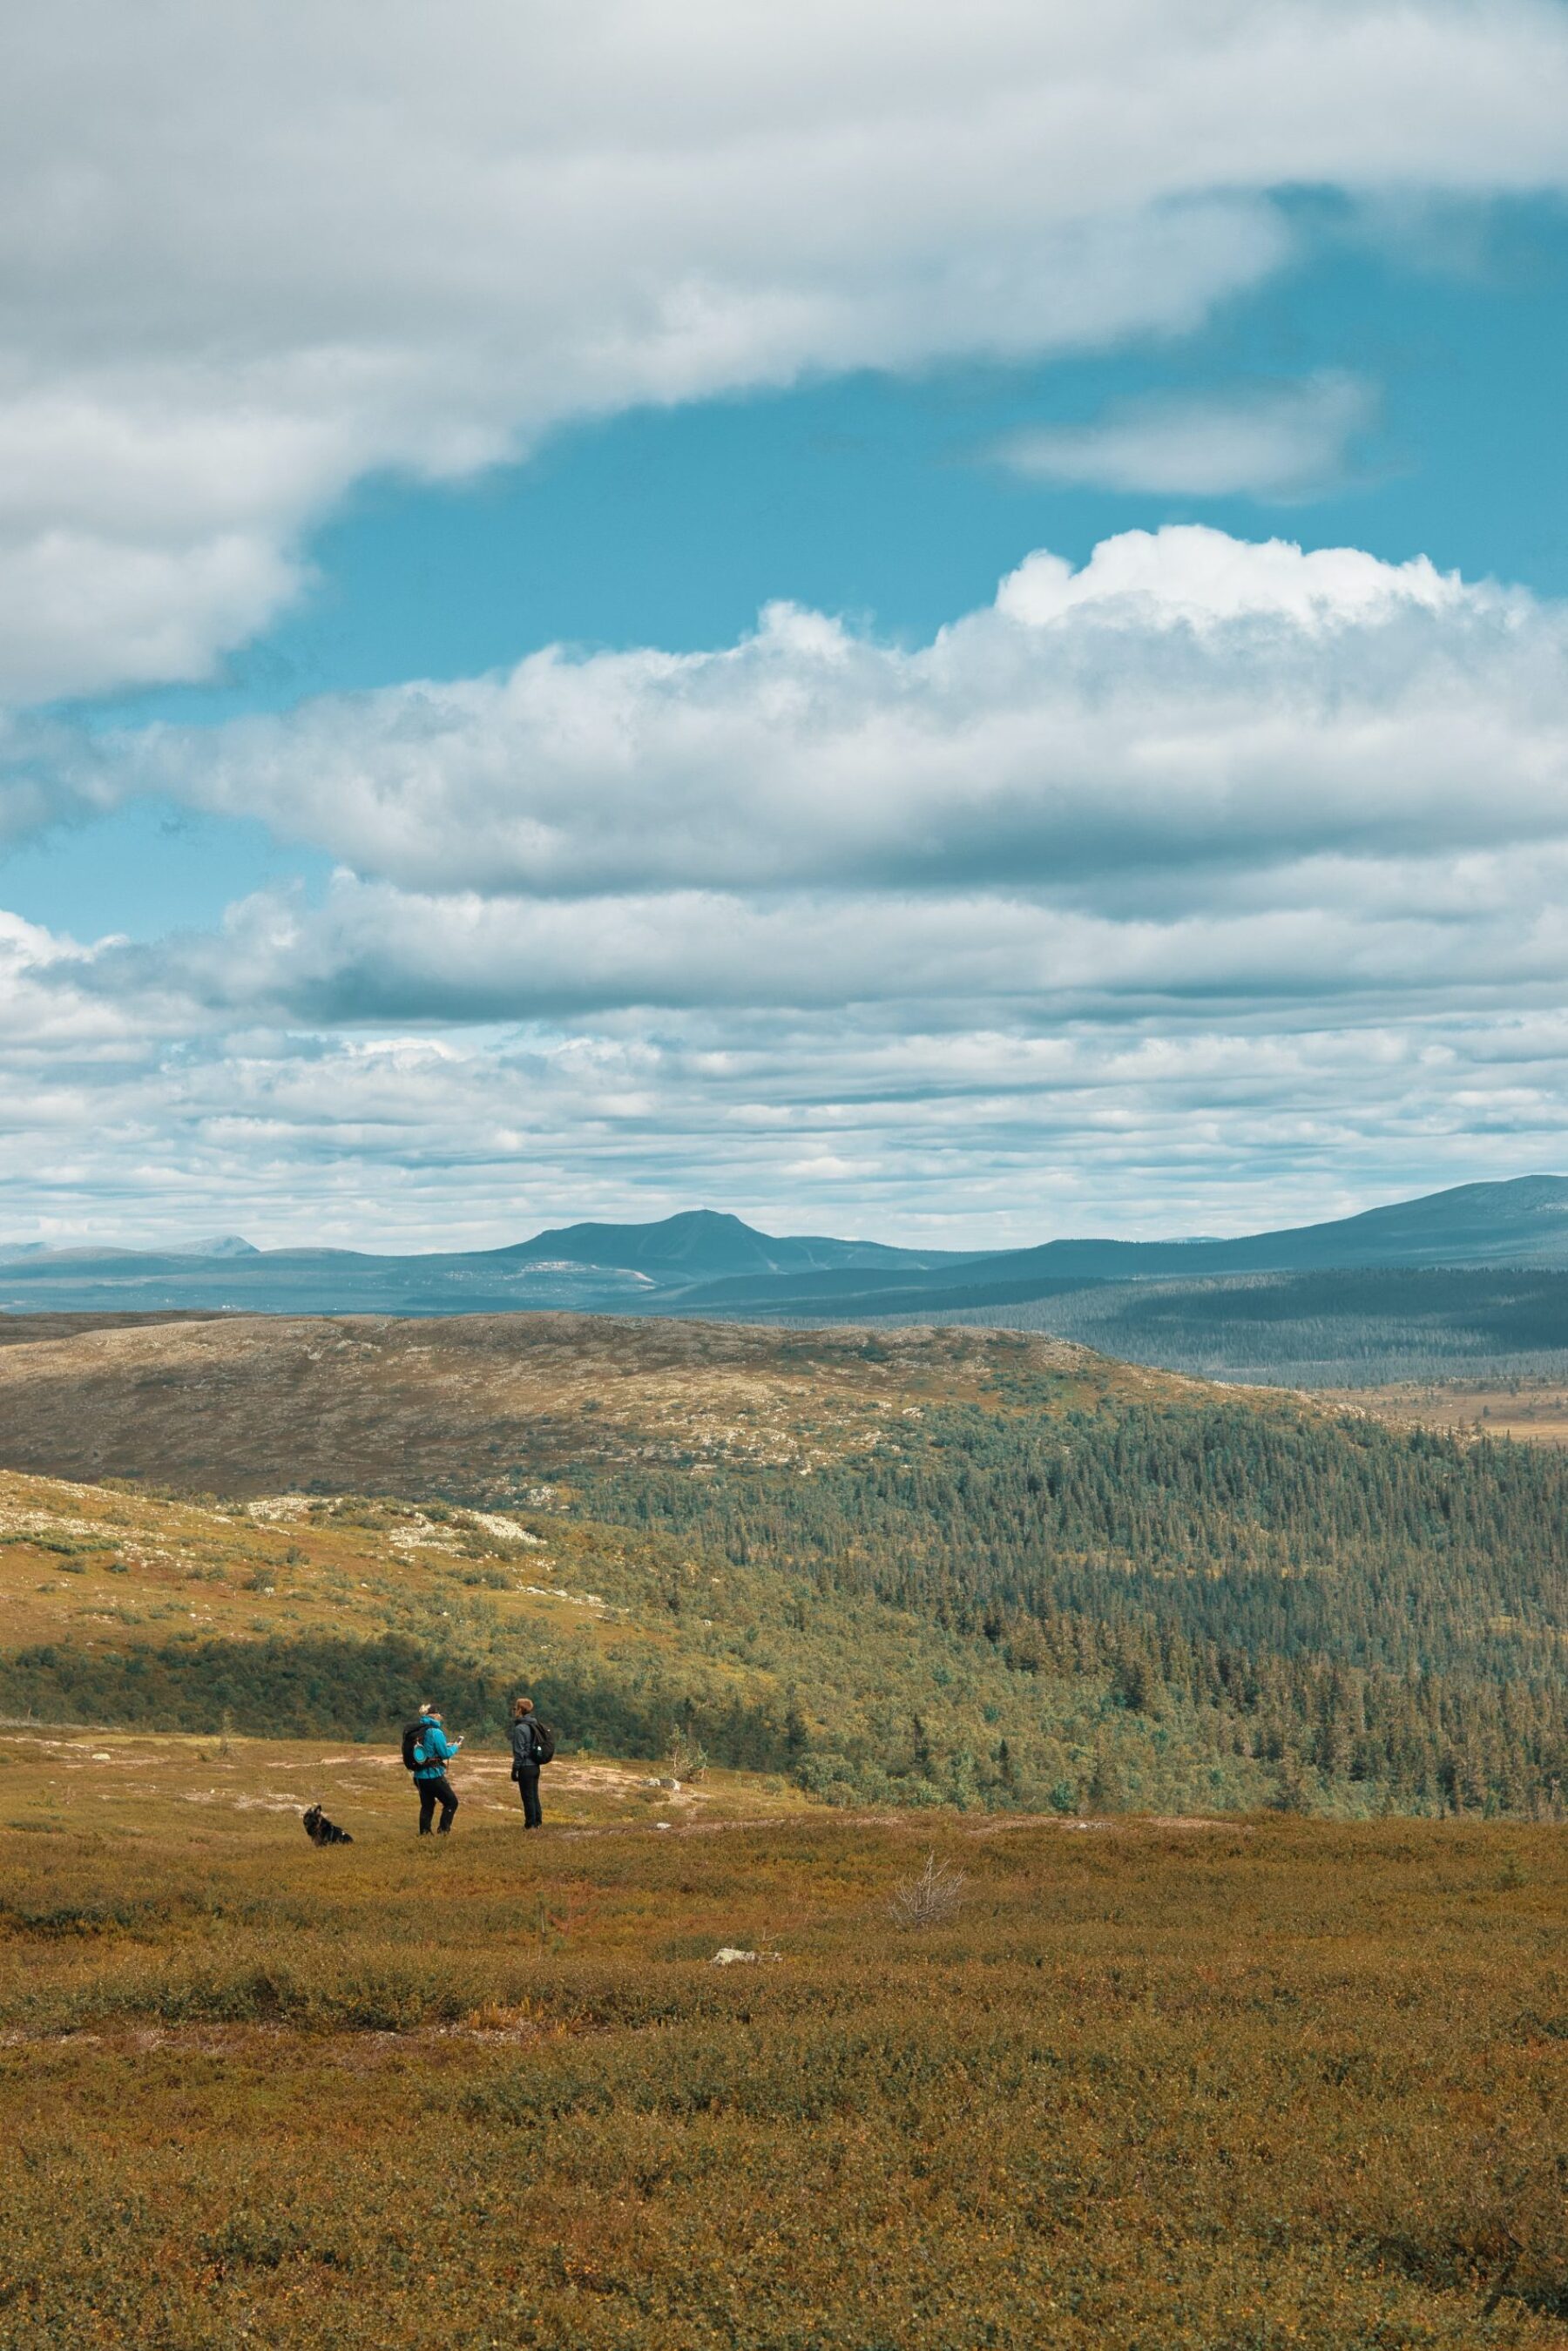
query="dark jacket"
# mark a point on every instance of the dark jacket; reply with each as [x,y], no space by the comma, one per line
[525,1745]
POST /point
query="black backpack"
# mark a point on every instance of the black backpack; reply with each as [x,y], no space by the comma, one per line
[544,1742]
[413,1732]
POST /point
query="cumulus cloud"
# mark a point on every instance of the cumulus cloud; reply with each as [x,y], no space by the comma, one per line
[1276,443]
[1202,855]
[249,259]
[1183,699]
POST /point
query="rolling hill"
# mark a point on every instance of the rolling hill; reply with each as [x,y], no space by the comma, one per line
[904,1568]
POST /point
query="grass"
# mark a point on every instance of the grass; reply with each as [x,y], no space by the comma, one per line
[1230,2084]
[1530,1409]
[461,1404]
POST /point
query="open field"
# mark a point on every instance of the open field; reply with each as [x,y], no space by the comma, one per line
[247,1403]
[1228,2080]
[1531,1411]
[1227,2084]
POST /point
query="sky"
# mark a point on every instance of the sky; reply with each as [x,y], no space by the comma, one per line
[943,624]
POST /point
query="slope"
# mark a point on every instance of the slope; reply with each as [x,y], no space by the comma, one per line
[1334,1329]
[953,1565]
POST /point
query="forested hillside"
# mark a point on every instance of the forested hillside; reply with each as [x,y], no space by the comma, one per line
[968,1568]
[1347,1327]
[1326,1594]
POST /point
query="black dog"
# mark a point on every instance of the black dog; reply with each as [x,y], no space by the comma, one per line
[322,1831]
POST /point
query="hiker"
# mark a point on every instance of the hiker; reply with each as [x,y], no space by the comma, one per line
[527,1756]
[432,1750]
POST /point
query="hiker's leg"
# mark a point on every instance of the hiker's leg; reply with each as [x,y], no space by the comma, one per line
[530,1788]
[426,1805]
[448,1796]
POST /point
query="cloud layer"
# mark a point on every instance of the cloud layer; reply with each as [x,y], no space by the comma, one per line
[1208,864]
[249,259]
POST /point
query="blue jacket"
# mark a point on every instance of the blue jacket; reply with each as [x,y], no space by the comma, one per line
[438,1752]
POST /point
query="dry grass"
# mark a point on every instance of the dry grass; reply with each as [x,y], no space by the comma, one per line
[1231,2088]
[1530,1410]
[249,1406]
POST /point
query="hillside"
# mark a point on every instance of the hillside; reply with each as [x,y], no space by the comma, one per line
[1361,1327]
[910,1568]
[467,1404]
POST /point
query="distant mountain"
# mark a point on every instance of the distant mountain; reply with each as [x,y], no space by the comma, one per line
[1517,1223]
[703,1262]
[701,1244]
[219,1245]
[585,1266]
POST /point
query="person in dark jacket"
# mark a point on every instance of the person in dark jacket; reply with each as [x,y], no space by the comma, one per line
[435,1750]
[525,1761]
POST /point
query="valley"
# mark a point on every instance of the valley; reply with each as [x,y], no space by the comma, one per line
[1529,1410]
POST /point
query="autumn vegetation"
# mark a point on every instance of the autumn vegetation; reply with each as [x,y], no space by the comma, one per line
[1136,1808]
[1209,2084]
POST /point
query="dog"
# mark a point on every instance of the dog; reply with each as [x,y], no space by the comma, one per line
[322,1831]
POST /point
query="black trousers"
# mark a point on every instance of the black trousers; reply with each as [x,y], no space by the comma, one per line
[433,1791]
[528,1789]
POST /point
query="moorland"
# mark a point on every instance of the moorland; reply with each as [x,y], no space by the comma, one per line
[1136,1804]
[1215,2085]
[912,1568]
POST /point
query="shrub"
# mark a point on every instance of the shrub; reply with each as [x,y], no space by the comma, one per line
[930,1899]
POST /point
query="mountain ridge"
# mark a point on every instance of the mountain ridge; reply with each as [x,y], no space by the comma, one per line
[711,1262]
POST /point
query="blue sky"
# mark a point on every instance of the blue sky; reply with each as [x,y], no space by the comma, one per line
[1210,894]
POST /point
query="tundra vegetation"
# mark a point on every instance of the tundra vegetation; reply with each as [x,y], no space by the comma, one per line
[1217,2084]
[917,1570]
[1001,1681]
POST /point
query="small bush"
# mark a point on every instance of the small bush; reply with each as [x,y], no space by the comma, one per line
[930,1899]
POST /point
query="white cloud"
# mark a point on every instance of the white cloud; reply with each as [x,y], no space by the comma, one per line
[1184,699]
[250,256]
[1204,857]
[957,1129]
[1273,442]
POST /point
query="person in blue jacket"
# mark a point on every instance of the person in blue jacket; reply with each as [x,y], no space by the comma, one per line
[432,1754]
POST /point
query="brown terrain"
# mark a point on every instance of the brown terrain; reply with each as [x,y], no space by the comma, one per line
[249,1404]
[242,1404]
[1531,1411]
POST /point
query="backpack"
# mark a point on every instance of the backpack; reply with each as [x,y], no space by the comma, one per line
[544,1742]
[413,1753]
